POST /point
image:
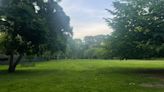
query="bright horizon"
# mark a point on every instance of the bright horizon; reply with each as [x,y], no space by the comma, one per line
[87,16]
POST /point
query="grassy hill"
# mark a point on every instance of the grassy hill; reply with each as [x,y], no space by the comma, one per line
[86,76]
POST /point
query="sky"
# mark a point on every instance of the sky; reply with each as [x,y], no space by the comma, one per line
[87,16]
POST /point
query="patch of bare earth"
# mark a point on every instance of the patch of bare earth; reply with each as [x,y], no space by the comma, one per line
[152,85]
[159,84]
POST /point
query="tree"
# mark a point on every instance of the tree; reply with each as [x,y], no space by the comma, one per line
[22,28]
[138,29]
[75,49]
[26,31]
[58,24]
[91,47]
[94,47]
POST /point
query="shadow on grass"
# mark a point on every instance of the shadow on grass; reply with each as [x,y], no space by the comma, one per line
[133,71]
[150,71]
[32,73]
[104,71]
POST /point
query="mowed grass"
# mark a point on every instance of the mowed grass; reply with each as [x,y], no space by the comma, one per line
[86,76]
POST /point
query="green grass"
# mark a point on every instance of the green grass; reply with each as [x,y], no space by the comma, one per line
[86,76]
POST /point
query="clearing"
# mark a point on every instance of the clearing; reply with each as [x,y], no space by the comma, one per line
[86,76]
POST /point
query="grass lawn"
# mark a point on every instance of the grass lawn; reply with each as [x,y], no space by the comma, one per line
[86,76]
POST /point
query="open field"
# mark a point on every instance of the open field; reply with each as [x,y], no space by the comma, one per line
[86,76]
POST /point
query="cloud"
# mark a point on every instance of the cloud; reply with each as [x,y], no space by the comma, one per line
[87,16]
[91,30]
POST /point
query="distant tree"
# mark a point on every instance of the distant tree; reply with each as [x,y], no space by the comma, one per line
[138,29]
[91,47]
[75,49]
[94,47]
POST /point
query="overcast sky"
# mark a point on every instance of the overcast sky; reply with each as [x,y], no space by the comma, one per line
[87,16]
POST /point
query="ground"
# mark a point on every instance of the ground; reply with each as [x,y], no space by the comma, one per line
[86,76]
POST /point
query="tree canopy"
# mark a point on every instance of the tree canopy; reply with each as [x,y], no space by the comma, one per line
[138,29]
[31,27]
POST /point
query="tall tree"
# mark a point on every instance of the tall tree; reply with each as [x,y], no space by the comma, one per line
[27,31]
[22,28]
[138,29]
[58,24]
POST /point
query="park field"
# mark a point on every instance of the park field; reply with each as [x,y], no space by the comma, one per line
[86,76]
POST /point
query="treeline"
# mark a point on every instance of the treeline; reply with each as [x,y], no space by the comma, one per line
[91,47]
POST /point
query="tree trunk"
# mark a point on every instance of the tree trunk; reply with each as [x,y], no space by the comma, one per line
[12,64]
[18,60]
[11,69]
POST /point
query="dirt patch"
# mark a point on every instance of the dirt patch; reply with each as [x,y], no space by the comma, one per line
[152,85]
[157,77]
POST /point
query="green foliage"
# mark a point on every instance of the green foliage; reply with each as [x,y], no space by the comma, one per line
[32,27]
[75,49]
[92,47]
[58,24]
[138,29]
[23,27]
